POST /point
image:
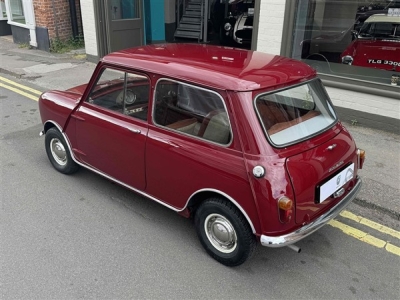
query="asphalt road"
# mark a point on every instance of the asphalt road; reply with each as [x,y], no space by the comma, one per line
[83,237]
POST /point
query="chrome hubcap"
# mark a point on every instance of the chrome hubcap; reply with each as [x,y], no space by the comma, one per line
[220,233]
[58,151]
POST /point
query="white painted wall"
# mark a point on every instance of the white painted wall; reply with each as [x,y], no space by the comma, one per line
[372,104]
[89,27]
[271,25]
[270,40]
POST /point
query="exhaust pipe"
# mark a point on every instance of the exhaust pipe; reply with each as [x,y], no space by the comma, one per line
[294,248]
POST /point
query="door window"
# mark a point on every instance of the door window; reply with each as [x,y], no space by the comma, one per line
[121,92]
[125,9]
[192,110]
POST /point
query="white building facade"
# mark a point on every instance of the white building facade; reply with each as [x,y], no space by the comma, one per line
[316,32]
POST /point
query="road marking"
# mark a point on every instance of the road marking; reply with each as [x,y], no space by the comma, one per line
[371,224]
[365,237]
[33,91]
[15,90]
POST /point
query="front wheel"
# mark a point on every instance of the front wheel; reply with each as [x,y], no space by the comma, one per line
[224,232]
[58,152]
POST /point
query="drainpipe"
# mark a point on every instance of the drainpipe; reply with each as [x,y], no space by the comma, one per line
[74,20]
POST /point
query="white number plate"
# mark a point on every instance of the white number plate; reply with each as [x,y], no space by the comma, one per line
[335,183]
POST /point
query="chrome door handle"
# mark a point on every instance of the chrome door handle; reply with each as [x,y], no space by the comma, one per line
[134,130]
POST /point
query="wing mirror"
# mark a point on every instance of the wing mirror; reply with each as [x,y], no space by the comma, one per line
[354,34]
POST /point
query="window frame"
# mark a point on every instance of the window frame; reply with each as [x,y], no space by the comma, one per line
[3,11]
[227,145]
[329,80]
[122,113]
[267,136]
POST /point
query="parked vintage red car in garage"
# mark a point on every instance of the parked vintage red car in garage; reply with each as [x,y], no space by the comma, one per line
[246,143]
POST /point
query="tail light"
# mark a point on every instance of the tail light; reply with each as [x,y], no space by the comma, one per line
[361,158]
[285,206]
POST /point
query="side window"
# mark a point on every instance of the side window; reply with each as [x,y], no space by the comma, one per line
[122,92]
[191,110]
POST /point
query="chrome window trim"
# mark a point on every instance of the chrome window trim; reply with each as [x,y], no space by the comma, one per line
[145,194]
[183,133]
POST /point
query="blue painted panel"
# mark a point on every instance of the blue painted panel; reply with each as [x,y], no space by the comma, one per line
[154,20]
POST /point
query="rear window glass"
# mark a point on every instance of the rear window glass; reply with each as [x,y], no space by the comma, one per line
[294,114]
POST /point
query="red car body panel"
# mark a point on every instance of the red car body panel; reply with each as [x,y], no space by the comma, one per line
[221,67]
[56,106]
[173,168]
[373,53]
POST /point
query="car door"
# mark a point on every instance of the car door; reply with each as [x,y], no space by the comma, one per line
[190,146]
[111,126]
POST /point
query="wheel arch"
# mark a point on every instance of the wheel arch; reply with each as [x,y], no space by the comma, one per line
[51,124]
[202,195]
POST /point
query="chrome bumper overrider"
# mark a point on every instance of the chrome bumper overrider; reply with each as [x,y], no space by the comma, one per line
[301,233]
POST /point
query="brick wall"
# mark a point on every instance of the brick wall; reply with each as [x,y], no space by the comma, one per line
[57,18]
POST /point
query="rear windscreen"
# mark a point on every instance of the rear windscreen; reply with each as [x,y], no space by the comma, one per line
[296,113]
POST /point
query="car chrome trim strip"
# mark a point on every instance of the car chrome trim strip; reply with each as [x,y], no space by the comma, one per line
[227,197]
[145,194]
[302,232]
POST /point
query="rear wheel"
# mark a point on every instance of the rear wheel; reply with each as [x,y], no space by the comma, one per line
[224,232]
[58,152]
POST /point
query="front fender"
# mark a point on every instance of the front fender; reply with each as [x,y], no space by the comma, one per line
[57,106]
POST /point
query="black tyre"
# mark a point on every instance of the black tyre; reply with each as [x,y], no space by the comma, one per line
[224,232]
[58,152]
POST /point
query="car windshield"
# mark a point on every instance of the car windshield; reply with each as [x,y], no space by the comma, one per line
[381,30]
[294,114]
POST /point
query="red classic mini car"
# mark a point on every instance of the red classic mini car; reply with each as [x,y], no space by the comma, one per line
[246,143]
[376,45]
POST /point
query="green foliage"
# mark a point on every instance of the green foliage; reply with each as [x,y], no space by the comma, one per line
[59,46]
[354,122]
[25,45]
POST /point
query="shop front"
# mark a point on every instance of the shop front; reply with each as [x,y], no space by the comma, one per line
[5,28]
[353,44]
[20,16]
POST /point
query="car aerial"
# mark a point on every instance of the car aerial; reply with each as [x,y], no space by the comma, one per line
[246,143]
[376,45]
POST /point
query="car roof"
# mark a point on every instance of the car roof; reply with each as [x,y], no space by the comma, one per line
[219,67]
[382,18]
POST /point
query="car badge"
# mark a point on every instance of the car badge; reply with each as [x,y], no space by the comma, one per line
[336,166]
[338,180]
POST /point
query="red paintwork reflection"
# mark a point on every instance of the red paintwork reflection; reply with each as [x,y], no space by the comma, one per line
[215,66]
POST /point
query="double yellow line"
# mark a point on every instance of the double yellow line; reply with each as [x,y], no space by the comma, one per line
[20,89]
[351,231]
[366,237]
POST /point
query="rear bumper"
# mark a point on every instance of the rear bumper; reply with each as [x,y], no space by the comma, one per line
[301,233]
